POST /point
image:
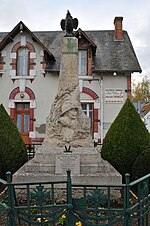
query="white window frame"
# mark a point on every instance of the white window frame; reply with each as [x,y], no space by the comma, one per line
[23,62]
[87,112]
[82,62]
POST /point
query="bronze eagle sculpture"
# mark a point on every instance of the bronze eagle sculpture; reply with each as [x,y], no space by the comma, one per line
[69,24]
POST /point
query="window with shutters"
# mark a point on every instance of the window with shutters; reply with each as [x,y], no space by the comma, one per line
[88,110]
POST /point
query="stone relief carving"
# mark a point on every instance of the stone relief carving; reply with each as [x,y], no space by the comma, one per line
[67,123]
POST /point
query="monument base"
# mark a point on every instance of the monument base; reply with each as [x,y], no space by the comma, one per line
[87,167]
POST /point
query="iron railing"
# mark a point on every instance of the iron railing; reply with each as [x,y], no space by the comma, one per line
[31,149]
[53,203]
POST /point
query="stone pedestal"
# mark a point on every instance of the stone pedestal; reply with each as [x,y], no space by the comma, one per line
[86,165]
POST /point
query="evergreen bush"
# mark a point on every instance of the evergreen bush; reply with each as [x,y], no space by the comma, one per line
[125,139]
[13,153]
[141,166]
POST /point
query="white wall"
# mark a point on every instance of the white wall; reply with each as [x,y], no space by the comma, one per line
[111,110]
[108,111]
[147,121]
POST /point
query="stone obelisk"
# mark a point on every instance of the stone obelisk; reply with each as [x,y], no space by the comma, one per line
[67,124]
[67,144]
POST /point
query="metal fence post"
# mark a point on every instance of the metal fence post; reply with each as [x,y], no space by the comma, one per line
[10,217]
[70,220]
[69,188]
[127,204]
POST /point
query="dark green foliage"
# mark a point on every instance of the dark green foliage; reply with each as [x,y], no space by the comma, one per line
[13,152]
[125,139]
[141,166]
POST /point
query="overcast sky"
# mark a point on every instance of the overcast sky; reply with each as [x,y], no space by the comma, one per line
[40,15]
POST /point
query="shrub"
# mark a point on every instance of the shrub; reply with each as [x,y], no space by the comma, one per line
[125,139]
[141,166]
[13,152]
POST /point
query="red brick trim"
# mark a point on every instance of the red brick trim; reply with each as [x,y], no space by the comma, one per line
[14,64]
[30,93]
[31,119]
[129,95]
[17,46]
[95,116]
[1,63]
[27,90]
[15,49]
[99,141]
[37,139]
[14,93]
[89,71]
[30,47]
[90,93]
[12,110]
[43,63]
[95,110]
[31,64]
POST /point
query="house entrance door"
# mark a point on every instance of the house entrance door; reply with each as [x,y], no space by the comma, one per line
[23,120]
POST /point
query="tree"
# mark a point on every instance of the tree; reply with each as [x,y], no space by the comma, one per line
[125,139]
[142,91]
[13,152]
[141,166]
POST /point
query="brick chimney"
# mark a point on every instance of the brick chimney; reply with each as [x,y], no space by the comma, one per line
[118,28]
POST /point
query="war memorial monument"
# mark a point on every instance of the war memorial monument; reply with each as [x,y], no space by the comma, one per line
[68,143]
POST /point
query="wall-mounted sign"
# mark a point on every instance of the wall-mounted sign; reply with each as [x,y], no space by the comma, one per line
[114,95]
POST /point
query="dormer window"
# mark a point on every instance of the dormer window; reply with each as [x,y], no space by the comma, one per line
[82,62]
[86,50]
[23,62]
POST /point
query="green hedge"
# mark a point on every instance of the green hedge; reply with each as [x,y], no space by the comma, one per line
[13,153]
[141,166]
[125,139]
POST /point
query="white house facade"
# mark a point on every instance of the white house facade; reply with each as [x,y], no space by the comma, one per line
[29,72]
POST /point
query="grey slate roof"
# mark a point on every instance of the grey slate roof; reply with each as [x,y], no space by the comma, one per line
[111,55]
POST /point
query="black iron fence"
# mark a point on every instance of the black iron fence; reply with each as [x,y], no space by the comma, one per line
[64,203]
